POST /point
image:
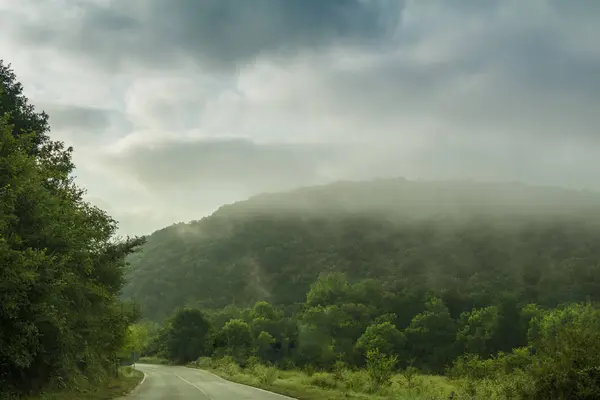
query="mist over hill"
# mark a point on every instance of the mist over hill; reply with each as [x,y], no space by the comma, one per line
[455,239]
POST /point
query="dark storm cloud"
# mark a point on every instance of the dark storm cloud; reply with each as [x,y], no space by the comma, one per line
[221,33]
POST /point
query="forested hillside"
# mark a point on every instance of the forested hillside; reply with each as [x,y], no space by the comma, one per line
[371,282]
[471,244]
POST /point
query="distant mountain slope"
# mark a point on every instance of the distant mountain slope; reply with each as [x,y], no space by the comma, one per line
[451,238]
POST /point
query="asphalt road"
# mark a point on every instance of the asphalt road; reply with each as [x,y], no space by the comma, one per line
[163,382]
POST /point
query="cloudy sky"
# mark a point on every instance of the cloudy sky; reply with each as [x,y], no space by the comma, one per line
[175,107]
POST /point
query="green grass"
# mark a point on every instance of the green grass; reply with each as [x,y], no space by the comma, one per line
[328,386]
[113,387]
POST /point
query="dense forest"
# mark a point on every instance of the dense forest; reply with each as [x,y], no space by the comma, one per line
[470,244]
[494,284]
[61,265]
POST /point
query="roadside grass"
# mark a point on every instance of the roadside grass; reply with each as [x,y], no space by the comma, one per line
[342,384]
[110,388]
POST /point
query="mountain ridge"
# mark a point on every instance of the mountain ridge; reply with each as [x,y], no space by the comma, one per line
[272,246]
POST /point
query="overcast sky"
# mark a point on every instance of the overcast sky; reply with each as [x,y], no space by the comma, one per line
[176,107]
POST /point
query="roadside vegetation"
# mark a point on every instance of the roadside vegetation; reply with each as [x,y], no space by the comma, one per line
[61,266]
[467,290]
[332,348]
[108,388]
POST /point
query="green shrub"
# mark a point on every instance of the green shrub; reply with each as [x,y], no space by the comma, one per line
[357,381]
[323,380]
[309,370]
[266,375]
[204,362]
[410,376]
[338,370]
[251,362]
[380,368]
[228,365]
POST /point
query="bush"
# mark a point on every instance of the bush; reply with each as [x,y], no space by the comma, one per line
[410,376]
[380,368]
[323,380]
[252,362]
[309,370]
[204,362]
[338,370]
[228,365]
[357,381]
[266,375]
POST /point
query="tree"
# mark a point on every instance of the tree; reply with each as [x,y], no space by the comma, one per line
[566,344]
[61,265]
[384,337]
[235,339]
[479,331]
[188,336]
[265,344]
[22,118]
[431,335]
[331,288]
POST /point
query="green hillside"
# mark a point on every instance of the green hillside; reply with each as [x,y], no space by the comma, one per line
[465,241]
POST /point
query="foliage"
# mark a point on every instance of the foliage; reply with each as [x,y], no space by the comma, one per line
[560,361]
[188,336]
[61,264]
[383,337]
[235,340]
[566,344]
[434,325]
[380,367]
[396,243]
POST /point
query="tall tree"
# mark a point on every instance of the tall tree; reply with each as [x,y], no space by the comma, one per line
[61,265]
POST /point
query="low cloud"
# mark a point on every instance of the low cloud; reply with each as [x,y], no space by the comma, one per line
[181,106]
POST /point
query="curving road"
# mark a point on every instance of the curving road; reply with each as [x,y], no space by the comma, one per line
[163,382]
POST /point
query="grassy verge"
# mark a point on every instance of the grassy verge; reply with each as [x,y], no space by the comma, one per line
[109,389]
[344,384]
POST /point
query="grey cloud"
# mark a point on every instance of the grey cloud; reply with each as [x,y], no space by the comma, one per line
[83,119]
[488,90]
[200,176]
[234,163]
[222,33]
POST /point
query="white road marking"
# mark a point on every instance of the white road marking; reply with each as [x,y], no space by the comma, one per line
[191,384]
[143,379]
[241,384]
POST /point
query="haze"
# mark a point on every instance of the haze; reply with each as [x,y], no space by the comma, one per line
[176,107]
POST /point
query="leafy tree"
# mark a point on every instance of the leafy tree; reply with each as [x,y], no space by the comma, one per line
[331,288]
[566,343]
[235,339]
[21,117]
[384,337]
[61,265]
[266,346]
[431,335]
[479,330]
[264,310]
[188,336]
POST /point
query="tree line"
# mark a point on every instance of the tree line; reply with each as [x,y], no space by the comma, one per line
[61,264]
[549,352]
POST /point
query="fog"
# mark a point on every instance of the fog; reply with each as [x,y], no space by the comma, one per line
[177,107]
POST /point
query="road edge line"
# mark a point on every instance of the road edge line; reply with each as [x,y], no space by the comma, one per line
[242,384]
